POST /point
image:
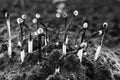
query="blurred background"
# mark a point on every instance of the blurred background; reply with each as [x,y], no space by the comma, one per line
[96,12]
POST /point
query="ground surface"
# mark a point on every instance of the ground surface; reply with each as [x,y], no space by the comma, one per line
[96,11]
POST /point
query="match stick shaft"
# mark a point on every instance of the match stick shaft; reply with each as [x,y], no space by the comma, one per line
[21,33]
[82,38]
[39,45]
[9,40]
[30,46]
[22,55]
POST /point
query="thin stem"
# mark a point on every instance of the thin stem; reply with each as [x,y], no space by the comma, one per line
[82,38]
[21,33]
[85,25]
[40,52]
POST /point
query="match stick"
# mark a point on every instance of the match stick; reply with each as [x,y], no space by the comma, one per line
[41,23]
[40,32]
[9,33]
[85,26]
[105,25]
[20,21]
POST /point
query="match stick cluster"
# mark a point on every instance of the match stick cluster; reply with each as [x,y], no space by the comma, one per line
[43,32]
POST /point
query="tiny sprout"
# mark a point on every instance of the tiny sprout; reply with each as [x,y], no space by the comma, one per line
[83,44]
[57,15]
[57,70]
[100,32]
[40,31]
[75,12]
[6,14]
[57,43]
[34,20]
[65,14]
[85,53]
[24,16]
[105,25]
[35,33]
[19,43]
[19,20]
[37,15]
[80,52]
[85,25]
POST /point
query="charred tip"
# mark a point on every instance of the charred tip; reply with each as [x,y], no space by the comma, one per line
[65,14]
[37,15]
[24,16]
[58,15]
[105,25]
[40,31]
[75,13]
[85,25]
[34,20]
[19,20]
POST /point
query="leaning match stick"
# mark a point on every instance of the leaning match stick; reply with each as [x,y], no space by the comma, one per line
[101,42]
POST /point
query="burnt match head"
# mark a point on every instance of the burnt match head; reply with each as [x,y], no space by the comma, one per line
[34,20]
[58,15]
[100,32]
[75,13]
[37,15]
[85,25]
[65,14]
[19,20]
[83,45]
[105,25]
[40,31]
[23,16]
